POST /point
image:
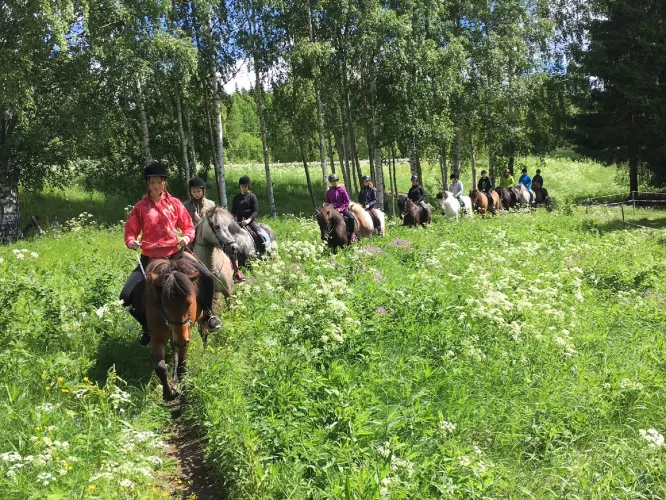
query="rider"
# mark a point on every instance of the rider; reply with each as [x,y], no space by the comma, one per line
[485,185]
[537,179]
[507,181]
[526,181]
[417,194]
[368,195]
[456,189]
[158,216]
[198,205]
[338,197]
[246,208]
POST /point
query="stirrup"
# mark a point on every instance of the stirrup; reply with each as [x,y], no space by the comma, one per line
[213,323]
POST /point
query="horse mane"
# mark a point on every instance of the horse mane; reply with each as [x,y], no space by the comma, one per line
[174,278]
[225,218]
[334,216]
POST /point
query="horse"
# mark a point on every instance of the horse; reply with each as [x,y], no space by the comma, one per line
[523,195]
[541,195]
[507,200]
[480,201]
[227,232]
[332,226]
[451,206]
[415,215]
[206,248]
[366,225]
[170,299]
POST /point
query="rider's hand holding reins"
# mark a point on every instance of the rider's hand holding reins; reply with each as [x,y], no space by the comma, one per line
[135,245]
[183,241]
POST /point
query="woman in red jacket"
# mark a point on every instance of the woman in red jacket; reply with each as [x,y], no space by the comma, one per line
[159,216]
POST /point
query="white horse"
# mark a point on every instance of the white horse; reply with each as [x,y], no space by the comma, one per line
[523,195]
[451,206]
[366,226]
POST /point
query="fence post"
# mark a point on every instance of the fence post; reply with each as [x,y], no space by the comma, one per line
[622,210]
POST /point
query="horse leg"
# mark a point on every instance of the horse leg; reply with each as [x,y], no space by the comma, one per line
[179,360]
[157,348]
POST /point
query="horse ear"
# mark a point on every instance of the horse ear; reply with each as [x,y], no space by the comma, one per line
[195,276]
[152,277]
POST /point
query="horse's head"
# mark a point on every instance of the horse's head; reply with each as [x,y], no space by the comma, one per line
[218,228]
[323,214]
[173,285]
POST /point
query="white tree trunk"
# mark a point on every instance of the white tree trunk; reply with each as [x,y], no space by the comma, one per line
[10,217]
[143,120]
[219,139]
[443,168]
[264,143]
[379,170]
[456,152]
[472,161]
[188,125]
[181,133]
[320,116]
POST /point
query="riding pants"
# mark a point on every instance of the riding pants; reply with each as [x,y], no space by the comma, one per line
[256,228]
[460,200]
[349,221]
[132,293]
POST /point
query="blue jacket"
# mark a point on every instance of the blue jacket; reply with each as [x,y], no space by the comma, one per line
[367,196]
[526,181]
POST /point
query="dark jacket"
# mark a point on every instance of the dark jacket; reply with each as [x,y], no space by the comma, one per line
[368,196]
[485,185]
[416,194]
[538,179]
[245,206]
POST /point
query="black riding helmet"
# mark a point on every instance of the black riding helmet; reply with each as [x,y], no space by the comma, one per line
[155,169]
[244,181]
[415,177]
[453,176]
[365,178]
[333,177]
[197,182]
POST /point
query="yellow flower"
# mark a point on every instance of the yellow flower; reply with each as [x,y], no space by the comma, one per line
[64,390]
[60,379]
[154,491]
[38,429]
[69,467]
[48,387]
[85,379]
[91,487]
[57,459]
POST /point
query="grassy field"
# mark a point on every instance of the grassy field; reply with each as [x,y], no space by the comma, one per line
[520,356]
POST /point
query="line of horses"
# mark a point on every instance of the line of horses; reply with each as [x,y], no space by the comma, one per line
[500,198]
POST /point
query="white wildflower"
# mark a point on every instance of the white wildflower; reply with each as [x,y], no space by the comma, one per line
[20,256]
[384,449]
[126,483]
[447,427]
[46,407]
[10,456]
[653,437]
[100,312]
[45,478]
[154,460]
[34,255]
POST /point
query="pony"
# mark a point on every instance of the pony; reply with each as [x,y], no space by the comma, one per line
[480,202]
[450,205]
[507,200]
[366,226]
[541,196]
[227,231]
[170,299]
[523,195]
[415,215]
[332,226]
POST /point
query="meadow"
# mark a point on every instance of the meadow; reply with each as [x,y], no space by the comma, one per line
[519,356]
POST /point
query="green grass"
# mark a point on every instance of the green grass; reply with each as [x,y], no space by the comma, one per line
[512,357]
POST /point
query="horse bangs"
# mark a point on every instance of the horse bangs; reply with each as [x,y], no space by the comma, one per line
[177,286]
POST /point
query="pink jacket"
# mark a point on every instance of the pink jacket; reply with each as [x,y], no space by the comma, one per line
[159,222]
[338,197]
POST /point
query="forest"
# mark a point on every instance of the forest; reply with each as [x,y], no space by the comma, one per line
[89,91]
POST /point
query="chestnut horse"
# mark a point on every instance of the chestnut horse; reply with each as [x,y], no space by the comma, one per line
[332,226]
[415,215]
[170,299]
[366,226]
[480,202]
[507,199]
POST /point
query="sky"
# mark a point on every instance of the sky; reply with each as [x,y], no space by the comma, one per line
[241,79]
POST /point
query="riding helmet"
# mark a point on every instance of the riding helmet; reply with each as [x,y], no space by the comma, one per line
[333,177]
[483,172]
[365,178]
[453,176]
[415,177]
[244,181]
[507,171]
[196,182]
[155,169]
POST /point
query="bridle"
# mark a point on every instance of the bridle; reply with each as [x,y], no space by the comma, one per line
[187,321]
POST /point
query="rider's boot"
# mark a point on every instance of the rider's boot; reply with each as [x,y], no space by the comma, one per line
[238,276]
[211,321]
[145,336]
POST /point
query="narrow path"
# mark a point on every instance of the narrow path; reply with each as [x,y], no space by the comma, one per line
[191,480]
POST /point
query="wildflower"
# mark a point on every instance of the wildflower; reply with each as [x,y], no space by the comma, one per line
[100,312]
[64,391]
[91,487]
[60,379]
[45,478]
[126,483]
[85,379]
[10,456]
[1,260]
[653,437]
[384,449]
[447,427]
[34,255]
[154,460]
[20,256]
[381,310]
[46,407]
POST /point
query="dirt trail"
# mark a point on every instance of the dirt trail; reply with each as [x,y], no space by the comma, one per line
[191,480]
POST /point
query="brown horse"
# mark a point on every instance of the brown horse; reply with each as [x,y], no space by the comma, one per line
[171,305]
[507,200]
[480,202]
[541,195]
[332,226]
[415,215]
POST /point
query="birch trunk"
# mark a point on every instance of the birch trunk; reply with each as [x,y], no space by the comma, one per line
[472,161]
[181,133]
[258,90]
[143,120]
[320,116]
[188,125]
[443,167]
[307,176]
[219,140]
[456,152]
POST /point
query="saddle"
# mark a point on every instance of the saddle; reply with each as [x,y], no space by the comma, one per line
[353,217]
[375,220]
[257,239]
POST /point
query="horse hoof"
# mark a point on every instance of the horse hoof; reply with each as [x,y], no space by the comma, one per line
[169,395]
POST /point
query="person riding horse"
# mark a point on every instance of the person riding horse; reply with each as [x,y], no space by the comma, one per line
[157,217]
[537,179]
[338,197]
[507,181]
[485,185]
[417,194]
[198,205]
[245,208]
[526,181]
[367,197]
[456,189]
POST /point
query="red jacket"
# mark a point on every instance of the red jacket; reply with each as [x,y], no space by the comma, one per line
[159,222]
